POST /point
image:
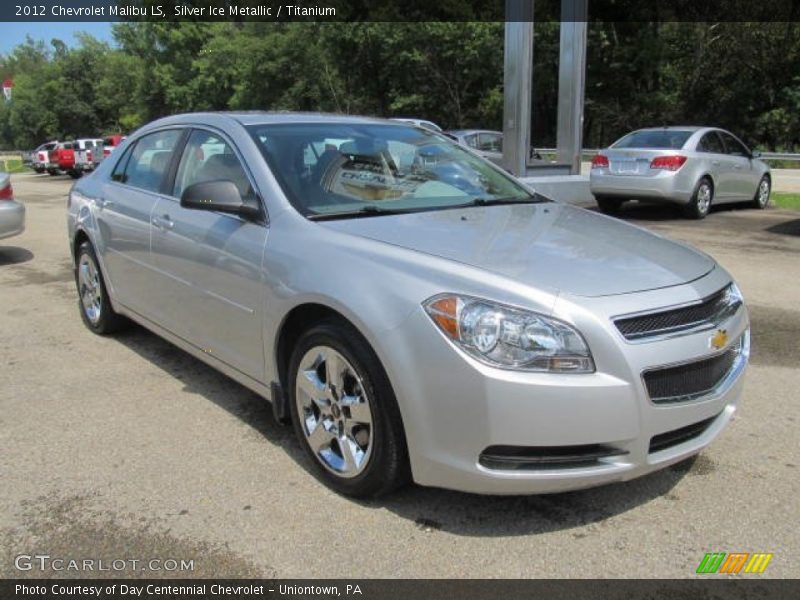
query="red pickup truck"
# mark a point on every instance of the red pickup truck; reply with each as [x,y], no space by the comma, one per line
[112,142]
[75,157]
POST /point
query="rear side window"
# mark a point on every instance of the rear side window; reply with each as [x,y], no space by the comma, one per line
[119,169]
[148,161]
[672,139]
[471,140]
[490,142]
[710,142]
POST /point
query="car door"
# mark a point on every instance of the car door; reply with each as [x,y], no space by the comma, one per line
[718,164]
[745,178]
[211,290]
[123,214]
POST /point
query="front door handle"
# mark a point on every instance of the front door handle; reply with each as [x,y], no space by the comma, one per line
[101,203]
[715,163]
[163,222]
[737,167]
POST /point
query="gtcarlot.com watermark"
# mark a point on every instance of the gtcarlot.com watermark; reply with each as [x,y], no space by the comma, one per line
[45,562]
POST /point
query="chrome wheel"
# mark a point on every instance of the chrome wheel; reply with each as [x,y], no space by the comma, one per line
[334,411]
[763,193]
[90,289]
[703,198]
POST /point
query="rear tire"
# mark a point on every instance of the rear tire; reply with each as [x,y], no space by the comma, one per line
[75,174]
[609,205]
[93,302]
[360,453]
[700,203]
[761,199]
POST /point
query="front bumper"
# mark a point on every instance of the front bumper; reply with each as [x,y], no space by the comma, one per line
[12,218]
[455,408]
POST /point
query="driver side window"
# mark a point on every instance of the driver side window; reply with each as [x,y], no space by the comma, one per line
[208,157]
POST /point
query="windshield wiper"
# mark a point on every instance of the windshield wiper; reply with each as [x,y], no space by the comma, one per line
[370,210]
[535,199]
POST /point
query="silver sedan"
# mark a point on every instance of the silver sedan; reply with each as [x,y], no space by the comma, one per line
[12,213]
[413,310]
[694,167]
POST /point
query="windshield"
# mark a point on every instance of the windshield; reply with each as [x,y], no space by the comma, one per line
[335,168]
[657,139]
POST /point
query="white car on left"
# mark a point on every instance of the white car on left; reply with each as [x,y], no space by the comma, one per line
[12,213]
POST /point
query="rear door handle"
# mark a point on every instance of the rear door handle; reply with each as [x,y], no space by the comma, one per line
[715,163]
[163,222]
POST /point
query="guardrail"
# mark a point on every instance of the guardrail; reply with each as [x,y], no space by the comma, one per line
[589,152]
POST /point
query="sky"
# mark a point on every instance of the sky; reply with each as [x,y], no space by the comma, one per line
[12,34]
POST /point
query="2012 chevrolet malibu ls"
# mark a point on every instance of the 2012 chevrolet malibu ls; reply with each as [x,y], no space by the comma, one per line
[412,309]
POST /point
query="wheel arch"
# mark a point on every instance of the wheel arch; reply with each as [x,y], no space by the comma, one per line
[710,177]
[80,237]
[298,319]
[294,323]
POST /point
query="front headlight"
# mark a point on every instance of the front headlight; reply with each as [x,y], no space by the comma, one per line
[502,336]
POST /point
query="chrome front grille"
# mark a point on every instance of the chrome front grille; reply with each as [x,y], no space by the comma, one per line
[689,381]
[704,314]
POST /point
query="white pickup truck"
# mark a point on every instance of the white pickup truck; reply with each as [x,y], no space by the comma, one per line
[88,154]
[40,158]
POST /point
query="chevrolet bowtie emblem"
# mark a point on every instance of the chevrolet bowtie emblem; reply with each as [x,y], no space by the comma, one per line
[719,339]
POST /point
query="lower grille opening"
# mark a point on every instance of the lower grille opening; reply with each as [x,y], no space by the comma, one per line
[546,457]
[662,441]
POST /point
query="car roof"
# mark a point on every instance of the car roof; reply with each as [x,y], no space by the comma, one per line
[265,118]
[676,127]
[471,131]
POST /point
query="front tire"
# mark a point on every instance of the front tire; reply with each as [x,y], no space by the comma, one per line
[761,199]
[344,412]
[93,302]
[700,203]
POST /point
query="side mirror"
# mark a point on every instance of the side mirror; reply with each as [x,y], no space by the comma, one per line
[755,154]
[220,196]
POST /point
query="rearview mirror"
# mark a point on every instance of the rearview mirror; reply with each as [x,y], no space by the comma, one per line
[220,196]
[755,154]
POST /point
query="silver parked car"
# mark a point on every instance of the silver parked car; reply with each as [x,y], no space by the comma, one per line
[690,166]
[488,144]
[419,123]
[12,213]
[412,309]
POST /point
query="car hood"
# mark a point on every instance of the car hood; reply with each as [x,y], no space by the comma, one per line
[549,246]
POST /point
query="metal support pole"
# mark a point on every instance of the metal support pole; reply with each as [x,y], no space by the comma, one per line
[517,80]
[571,83]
